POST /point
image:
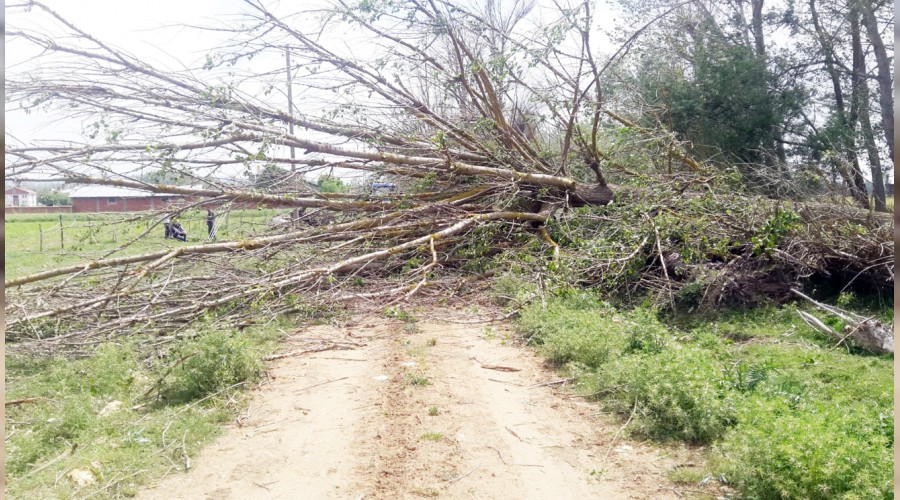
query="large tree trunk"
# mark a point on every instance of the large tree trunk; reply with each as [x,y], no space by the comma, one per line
[885,82]
[852,176]
[757,20]
[872,151]
[861,109]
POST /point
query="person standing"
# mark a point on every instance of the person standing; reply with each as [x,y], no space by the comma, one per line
[210,221]
[168,224]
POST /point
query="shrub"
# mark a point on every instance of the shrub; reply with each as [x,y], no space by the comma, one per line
[677,392]
[511,289]
[580,330]
[210,363]
[645,333]
[827,451]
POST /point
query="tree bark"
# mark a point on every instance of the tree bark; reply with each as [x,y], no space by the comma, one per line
[861,110]
[757,20]
[885,82]
[853,178]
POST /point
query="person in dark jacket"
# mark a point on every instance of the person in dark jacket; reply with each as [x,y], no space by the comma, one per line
[178,232]
[210,221]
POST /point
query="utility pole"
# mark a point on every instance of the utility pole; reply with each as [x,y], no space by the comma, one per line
[290,96]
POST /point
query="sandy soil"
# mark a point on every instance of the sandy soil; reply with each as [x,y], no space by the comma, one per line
[361,423]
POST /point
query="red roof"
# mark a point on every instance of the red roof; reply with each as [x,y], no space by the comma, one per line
[19,190]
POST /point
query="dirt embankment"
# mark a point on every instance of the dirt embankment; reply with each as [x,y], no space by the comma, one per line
[434,409]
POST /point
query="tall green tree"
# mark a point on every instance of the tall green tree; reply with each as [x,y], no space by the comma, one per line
[726,102]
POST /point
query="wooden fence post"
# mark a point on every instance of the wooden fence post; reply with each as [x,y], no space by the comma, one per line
[41,236]
[62,240]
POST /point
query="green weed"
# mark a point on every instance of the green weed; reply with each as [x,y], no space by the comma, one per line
[210,363]
[586,334]
[675,394]
[432,436]
[823,451]
[399,314]
[415,380]
[685,475]
[786,415]
[104,409]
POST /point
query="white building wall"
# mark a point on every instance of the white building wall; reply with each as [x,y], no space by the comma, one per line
[24,200]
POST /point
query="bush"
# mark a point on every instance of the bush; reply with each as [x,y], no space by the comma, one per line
[644,333]
[678,393]
[210,363]
[54,199]
[827,451]
[511,289]
[574,329]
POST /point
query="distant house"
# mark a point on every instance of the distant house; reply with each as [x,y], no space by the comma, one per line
[93,198]
[20,197]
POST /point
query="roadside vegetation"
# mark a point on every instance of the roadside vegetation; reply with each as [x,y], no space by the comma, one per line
[105,424]
[650,213]
[780,409]
[111,416]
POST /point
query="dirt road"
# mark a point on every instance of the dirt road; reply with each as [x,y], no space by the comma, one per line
[430,409]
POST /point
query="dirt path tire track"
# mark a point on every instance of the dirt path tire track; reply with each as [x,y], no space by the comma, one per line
[371,435]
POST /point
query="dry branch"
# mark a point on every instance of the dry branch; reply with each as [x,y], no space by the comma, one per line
[865,332]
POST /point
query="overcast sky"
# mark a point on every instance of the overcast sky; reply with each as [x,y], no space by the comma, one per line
[151,30]
[148,29]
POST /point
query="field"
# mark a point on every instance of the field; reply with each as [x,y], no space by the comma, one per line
[35,243]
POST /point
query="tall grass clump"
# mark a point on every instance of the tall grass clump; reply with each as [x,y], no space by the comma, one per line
[784,414]
[210,363]
[574,329]
[824,451]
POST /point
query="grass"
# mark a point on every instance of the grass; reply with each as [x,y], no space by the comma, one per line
[119,417]
[433,411]
[781,411]
[400,314]
[686,475]
[122,420]
[33,241]
[432,436]
[415,380]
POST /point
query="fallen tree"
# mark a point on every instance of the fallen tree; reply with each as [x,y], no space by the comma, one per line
[495,135]
[866,333]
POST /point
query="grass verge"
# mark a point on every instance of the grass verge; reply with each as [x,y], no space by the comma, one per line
[104,425]
[783,413]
